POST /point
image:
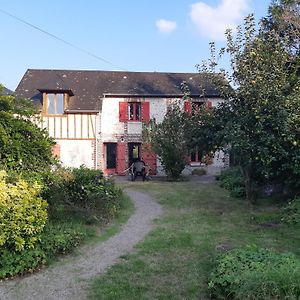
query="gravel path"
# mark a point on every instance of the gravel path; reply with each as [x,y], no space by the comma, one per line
[69,278]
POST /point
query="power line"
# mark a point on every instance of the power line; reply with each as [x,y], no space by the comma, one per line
[61,40]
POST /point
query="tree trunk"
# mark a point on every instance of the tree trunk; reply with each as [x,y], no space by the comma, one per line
[247,173]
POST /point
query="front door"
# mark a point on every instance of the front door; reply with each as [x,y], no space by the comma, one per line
[111,155]
[134,152]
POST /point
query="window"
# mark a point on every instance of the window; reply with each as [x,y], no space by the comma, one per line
[54,103]
[196,106]
[134,111]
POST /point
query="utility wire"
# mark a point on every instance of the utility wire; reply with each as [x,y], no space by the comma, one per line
[61,40]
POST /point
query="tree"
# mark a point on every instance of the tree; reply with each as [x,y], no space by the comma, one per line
[168,140]
[283,18]
[24,147]
[259,120]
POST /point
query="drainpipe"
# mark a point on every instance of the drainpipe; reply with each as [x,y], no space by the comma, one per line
[96,142]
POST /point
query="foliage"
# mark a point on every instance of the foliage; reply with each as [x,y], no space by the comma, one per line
[168,142]
[199,130]
[56,238]
[83,189]
[290,214]
[232,180]
[177,256]
[283,18]
[24,148]
[22,213]
[254,273]
[261,117]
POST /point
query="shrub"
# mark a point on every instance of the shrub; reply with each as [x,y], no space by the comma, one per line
[24,147]
[232,180]
[83,189]
[290,214]
[254,273]
[56,238]
[199,172]
[22,213]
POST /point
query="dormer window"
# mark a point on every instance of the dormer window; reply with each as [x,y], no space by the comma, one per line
[54,103]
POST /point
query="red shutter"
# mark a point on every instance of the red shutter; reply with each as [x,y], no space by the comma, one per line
[187,107]
[123,112]
[145,112]
[56,150]
[209,104]
[149,157]
[121,158]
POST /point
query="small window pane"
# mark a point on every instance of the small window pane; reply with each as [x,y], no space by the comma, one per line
[59,103]
[130,111]
[51,105]
[138,111]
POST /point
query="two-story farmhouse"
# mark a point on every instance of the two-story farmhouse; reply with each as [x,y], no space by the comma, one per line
[96,117]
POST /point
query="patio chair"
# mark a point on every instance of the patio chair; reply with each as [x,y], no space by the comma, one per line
[137,169]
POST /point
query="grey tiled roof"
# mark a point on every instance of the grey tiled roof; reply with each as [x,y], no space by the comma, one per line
[6,91]
[89,87]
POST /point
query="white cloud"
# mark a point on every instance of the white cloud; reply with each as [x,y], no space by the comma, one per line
[213,21]
[165,26]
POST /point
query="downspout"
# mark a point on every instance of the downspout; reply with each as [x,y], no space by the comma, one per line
[96,139]
[98,130]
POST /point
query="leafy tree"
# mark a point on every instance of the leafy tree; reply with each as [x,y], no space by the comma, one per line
[283,18]
[261,120]
[168,140]
[24,147]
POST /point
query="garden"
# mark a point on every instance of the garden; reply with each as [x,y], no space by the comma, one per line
[210,245]
[45,209]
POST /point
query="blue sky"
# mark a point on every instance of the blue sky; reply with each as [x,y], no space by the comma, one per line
[133,35]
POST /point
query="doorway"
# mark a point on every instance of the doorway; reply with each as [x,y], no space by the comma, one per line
[111,155]
[134,152]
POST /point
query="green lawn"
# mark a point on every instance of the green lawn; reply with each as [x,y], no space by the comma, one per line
[199,222]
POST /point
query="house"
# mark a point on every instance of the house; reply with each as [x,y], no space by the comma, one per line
[5,91]
[96,117]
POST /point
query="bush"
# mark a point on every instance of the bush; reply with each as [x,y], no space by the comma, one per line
[290,214]
[55,239]
[24,147]
[254,273]
[23,214]
[83,190]
[232,180]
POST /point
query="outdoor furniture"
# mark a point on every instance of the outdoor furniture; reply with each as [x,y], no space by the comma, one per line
[137,169]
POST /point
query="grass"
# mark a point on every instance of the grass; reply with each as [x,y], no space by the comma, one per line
[199,222]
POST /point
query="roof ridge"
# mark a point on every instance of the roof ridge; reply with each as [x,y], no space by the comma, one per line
[112,71]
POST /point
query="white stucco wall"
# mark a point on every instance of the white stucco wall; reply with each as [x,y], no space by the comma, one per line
[110,125]
[74,153]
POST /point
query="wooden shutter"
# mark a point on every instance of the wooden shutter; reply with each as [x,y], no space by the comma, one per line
[56,150]
[209,104]
[121,158]
[187,107]
[123,117]
[149,157]
[145,112]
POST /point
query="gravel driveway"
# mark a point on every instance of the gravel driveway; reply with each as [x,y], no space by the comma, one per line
[69,278]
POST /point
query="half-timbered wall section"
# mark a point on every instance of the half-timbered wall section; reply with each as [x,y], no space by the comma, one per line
[76,136]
